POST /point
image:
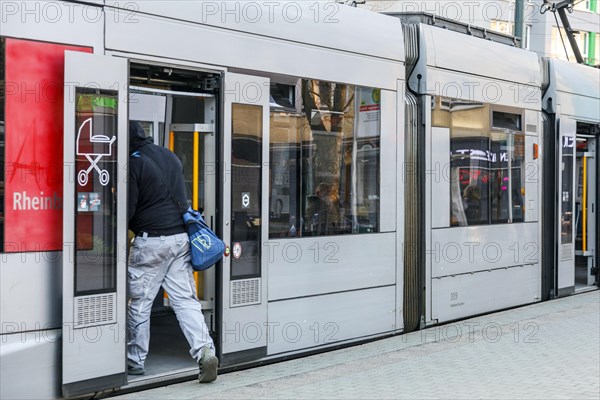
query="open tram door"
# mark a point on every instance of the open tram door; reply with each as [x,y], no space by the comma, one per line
[94,224]
[243,302]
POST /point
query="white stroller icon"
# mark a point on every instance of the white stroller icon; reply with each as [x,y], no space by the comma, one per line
[93,158]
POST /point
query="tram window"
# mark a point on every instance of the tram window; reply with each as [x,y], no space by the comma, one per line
[96,206]
[505,120]
[487,162]
[566,218]
[246,205]
[517,171]
[2,102]
[325,168]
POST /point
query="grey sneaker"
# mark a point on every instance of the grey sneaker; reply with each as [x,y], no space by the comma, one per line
[208,365]
[135,370]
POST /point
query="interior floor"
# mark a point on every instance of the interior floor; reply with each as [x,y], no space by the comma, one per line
[581,277]
[169,350]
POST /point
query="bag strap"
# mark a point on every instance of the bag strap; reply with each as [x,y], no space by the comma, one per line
[163,178]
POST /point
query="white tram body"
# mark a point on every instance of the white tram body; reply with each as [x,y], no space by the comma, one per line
[364,192]
[476,264]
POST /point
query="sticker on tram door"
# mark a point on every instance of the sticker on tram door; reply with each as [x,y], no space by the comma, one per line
[237,250]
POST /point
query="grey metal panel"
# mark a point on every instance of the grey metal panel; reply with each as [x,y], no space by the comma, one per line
[580,107]
[460,250]
[400,205]
[426,306]
[533,177]
[439,177]
[441,82]
[482,57]
[580,80]
[55,21]
[155,36]
[30,365]
[390,134]
[315,23]
[30,291]
[309,322]
[465,295]
[316,265]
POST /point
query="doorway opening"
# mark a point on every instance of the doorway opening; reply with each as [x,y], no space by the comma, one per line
[586,206]
[178,108]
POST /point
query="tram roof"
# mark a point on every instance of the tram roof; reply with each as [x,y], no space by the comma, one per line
[318,23]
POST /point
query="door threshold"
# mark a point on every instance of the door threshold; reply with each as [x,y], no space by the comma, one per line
[144,381]
[584,289]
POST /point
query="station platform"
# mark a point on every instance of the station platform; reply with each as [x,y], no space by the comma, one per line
[547,350]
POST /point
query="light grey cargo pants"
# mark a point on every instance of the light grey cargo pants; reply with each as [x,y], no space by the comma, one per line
[156,261]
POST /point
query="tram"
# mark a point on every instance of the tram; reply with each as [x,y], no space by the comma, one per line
[369,181]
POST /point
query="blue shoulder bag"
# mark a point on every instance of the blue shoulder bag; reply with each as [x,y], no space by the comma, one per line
[206,248]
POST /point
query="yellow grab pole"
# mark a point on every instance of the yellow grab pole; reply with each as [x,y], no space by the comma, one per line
[584,231]
[198,277]
[172,148]
[195,169]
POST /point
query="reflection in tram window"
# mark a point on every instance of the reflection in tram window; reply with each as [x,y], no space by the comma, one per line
[324,167]
[246,162]
[487,162]
[2,101]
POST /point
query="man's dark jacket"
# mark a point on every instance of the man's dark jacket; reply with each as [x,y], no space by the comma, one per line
[151,208]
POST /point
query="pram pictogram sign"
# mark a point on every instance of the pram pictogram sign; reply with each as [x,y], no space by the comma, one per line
[85,138]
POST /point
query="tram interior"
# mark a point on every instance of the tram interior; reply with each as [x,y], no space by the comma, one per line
[586,189]
[162,96]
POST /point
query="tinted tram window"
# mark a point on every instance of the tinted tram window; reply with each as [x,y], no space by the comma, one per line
[566,197]
[487,162]
[2,102]
[324,167]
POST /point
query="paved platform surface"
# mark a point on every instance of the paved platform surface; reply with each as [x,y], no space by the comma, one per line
[548,350]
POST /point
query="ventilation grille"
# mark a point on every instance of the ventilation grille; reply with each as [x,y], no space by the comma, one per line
[531,128]
[567,252]
[245,292]
[95,310]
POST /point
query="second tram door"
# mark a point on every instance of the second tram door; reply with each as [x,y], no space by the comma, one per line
[243,325]
[565,274]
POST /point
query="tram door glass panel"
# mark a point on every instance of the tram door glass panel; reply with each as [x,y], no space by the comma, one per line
[566,217]
[2,102]
[95,201]
[324,159]
[246,183]
[487,161]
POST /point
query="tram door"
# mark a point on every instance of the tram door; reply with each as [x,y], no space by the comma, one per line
[243,328]
[586,230]
[94,224]
[565,278]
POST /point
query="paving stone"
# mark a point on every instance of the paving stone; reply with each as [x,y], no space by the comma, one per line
[547,350]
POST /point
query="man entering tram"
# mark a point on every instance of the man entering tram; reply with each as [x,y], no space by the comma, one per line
[160,254]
